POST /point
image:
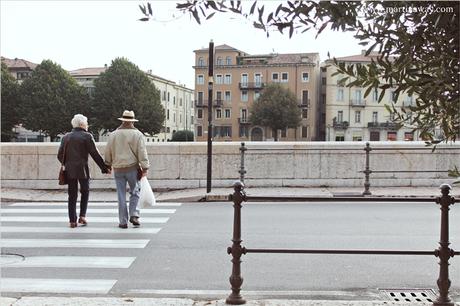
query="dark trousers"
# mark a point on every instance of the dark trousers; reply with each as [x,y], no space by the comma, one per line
[73,194]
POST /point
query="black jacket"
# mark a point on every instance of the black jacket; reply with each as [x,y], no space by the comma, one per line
[80,144]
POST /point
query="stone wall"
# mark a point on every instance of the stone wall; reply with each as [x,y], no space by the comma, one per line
[300,164]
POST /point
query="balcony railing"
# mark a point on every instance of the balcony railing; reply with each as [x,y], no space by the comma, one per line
[340,125]
[304,103]
[358,102]
[251,85]
[218,103]
[388,125]
[243,120]
[201,103]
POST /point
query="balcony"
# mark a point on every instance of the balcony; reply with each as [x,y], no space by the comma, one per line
[304,103]
[340,125]
[218,103]
[388,125]
[201,103]
[251,85]
[243,121]
[357,103]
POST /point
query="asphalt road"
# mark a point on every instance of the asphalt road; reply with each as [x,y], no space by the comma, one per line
[188,255]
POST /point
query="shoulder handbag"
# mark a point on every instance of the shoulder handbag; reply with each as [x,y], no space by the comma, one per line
[62,176]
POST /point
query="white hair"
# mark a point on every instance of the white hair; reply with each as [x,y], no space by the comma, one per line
[79,120]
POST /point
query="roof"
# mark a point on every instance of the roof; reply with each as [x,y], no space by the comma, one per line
[223,47]
[94,71]
[288,58]
[359,57]
[18,63]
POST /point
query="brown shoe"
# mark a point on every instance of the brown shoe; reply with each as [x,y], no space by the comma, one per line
[134,221]
[73,224]
[123,225]
[82,220]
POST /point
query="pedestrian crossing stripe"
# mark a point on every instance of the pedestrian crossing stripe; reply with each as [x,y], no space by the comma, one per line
[90,204]
[45,285]
[55,219]
[8,210]
[79,262]
[80,230]
[75,243]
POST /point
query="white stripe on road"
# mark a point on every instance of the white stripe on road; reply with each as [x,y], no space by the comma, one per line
[81,262]
[75,243]
[66,219]
[5,211]
[90,204]
[79,230]
[44,285]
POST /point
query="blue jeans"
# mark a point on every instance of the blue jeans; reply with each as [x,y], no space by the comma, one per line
[121,178]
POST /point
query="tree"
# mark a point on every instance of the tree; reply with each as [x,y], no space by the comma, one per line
[50,98]
[10,101]
[418,45]
[123,86]
[276,108]
[183,135]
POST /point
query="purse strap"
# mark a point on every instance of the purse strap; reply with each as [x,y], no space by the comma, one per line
[63,154]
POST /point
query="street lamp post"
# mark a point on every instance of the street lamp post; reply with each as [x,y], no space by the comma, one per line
[210,86]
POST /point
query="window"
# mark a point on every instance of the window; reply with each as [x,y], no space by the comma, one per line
[227,96]
[258,79]
[164,95]
[200,98]
[284,77]
[339,138]
[227,113]
[168,130]
[167,114]
[375,136]
[391,136]
[340,116]
[305,77]
[275,77]
[174,117]
[357,138]
[200,62]
[244,95]
[199,113]
[357,116]
[199,131]
[305,97]
[340,94]
[284,133]
[218,113]
[243,131]
[358,96]
[224,131]
[323,81]
[180,101]
[219,96]
[304,132]
[305,113]
[228,60]
[168,96]
[174,101]
[244,80]
[409,136]
[244,114]
[219,78]
[375,117]
[228,79]
[256,94]
[219,61]
[200,79]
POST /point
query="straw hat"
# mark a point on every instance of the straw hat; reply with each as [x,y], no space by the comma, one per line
[128,116]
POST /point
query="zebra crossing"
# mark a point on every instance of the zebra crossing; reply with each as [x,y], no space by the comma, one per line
[40,230]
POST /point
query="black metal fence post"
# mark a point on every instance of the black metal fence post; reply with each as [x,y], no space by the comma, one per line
[236,250]
[242,171]
[444,252]
[367,171]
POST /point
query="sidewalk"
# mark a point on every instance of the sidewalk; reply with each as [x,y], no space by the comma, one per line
[220,194]
[98,301]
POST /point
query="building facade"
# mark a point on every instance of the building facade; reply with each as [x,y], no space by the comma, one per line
[175,98]
[239,79]
[349,116]
[19,68]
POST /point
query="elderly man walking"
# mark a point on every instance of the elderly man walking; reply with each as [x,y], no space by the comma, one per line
[126,154]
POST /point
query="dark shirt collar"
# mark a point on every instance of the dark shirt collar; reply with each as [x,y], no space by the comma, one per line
[78,129]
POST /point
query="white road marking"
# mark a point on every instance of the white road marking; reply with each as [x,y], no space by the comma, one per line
[79,230]
[39,285]
[66,219]
[90,204]
[75,243]
[81,262]
[6,211]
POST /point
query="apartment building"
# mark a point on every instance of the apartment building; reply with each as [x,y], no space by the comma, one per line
[175,98]
[349,116]
[239,79]
[19,68]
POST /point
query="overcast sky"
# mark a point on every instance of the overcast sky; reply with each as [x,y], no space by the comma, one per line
[79,34]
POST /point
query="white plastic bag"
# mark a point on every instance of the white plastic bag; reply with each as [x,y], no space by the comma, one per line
[146,198]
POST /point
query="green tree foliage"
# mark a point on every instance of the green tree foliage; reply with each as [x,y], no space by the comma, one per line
[183,135]
[50,99]
[10,103]
[123,86]
[418,45]
[276,108]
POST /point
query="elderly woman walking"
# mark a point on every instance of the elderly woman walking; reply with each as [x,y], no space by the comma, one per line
[73,154]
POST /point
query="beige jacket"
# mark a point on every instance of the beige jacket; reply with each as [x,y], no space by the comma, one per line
[126,149]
